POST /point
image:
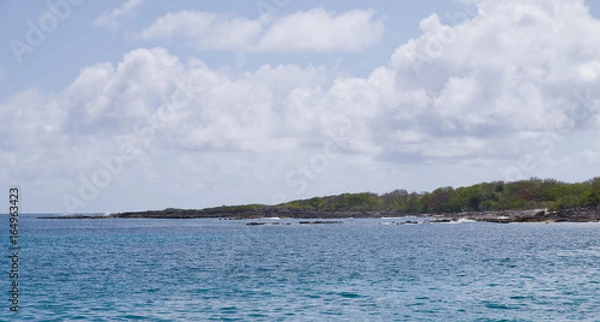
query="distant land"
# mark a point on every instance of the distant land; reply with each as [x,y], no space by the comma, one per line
[533,200]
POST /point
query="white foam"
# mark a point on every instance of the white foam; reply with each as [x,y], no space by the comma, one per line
[461,221]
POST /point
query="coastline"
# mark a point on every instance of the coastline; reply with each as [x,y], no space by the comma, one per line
[578,214]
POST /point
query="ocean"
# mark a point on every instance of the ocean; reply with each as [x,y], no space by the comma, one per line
[359,270]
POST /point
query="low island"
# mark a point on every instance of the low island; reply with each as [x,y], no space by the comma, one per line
[533,200]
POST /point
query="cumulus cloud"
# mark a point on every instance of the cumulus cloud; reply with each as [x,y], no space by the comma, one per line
[112,19]
[212,110]
[513,67]
[313,30]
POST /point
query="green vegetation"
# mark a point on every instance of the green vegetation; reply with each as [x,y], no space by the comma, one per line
[498,195]
[565,202]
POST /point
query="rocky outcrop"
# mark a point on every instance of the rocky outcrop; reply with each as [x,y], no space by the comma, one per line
[579,214]
[318,222]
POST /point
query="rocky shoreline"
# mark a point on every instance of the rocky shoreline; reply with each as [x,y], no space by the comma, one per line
[590,214]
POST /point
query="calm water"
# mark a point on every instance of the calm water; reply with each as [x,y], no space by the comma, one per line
[215,270]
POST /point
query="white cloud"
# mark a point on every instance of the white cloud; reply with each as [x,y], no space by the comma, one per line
[205,30]
[112,19]
[515,64]
[320,30]
[314,30]
[590,70]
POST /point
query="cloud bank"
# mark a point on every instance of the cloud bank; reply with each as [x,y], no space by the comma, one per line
[505,93]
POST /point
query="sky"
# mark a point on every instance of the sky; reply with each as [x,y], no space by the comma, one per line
[110,106]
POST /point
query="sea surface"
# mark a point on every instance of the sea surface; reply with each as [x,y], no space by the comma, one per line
[359,270]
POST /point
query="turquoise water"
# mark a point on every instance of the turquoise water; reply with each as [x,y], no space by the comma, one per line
[221,270]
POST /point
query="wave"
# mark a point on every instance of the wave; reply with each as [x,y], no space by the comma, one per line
[461,221]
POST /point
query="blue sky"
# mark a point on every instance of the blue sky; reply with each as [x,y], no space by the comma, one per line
[125,105]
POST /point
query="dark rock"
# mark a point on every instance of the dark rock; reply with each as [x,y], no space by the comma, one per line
[440,221]
[319,222]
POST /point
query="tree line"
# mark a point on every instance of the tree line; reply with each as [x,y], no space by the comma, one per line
[498,195]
